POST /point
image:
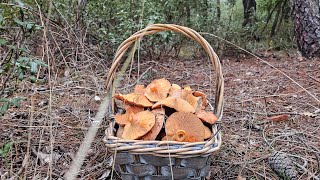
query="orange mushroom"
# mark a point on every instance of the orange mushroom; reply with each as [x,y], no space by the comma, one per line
[122,119]
[138,125]
[175,91]
[157,90]
[180,135]
[203,97]
[208,117]
[175,87]
[194,101]
[120,131]
[139,89]
[187,95]
[185,127]
[153,133]
[134,99]
[188,88]
[167,138]
[160,111]
[176,103]
[207,132]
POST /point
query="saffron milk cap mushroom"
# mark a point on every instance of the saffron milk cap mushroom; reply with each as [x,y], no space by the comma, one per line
[175,91]
[185,127]
[139,89]
[120,131]
[208,117]
[180,135]
[139,124]
[134,99]
[176,103]
[203,98]
[157,90]
[194,101]
[153,133]
[123,119]
[207,132]
[188,88]
[167,138]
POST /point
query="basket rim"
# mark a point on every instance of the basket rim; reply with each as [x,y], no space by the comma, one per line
[186,149]
[165,148]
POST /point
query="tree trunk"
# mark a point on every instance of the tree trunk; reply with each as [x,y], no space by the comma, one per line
[188,13]
[218,10]
[283,14]
[249,8]
[275,22]
[307,26]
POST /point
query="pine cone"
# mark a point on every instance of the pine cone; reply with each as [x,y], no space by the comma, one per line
[282,165]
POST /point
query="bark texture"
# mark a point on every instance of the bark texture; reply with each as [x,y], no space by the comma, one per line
[249,8]
[218,10]
[307,26]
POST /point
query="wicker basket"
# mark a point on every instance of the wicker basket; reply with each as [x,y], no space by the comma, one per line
[136,159]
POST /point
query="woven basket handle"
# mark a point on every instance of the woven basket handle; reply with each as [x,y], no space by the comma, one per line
[152,29]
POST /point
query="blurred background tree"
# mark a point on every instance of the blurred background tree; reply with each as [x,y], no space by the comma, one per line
[252,24]
[307,26]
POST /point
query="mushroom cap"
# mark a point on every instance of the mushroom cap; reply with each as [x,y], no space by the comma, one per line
[139,89]
[175,87]
[157,90]
[153,133]
[181,122]
[187,95]
[120,131]
[139,125]
[134,99]
[208,117]
[123,119]
[159,111]
[176,103]
[194,101]
[167,138]
[188,88]
[203,97]
[207,132]
[175,91]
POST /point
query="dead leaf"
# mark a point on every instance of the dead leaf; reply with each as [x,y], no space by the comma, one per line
[240,178]
[279,118]
[46,157]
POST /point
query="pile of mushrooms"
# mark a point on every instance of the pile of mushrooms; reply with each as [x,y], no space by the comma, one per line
[164,111]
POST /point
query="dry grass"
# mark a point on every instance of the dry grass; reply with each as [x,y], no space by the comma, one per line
[47,130]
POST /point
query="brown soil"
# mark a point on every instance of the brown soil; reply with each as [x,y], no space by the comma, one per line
[55,122]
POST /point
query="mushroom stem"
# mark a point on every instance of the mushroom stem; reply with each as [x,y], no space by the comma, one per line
[180,135]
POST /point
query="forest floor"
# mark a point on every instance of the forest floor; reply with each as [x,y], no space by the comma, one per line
[46,131]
